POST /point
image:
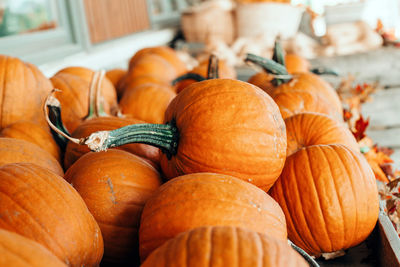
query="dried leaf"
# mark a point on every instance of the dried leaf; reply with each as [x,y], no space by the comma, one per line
[360,128]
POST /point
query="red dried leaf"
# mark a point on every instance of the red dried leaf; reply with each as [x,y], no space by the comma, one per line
[360,128]
[347,115]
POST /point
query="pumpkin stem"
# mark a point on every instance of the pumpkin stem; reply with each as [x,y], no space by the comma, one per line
[279,53]
[163,136]
[324,71]
[189,76]
[310,260]
[52,112]
[96,108]
[213,65]
[279,71]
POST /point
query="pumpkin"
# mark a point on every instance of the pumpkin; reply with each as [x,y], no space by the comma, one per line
[147,102]
[207,199]
[115,75]
[329,196]
[307,129]
[292,102]
[219,125]
[74,151]
[115,185]
[37,135]
[128,83]
[42,206]
[296,64]
[19,251]
[224,246]
[15,150]
[23,89]
[264,81]
[164,52]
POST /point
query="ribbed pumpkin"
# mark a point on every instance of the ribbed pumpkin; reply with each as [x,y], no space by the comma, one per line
[23,89]
[168,54]
[129,83]
[42,206]
[74,95]
[307,129]
[115,75]
[115,185]
[74,151]
[34,133]
[147,102]
[207,199]
[293,102]
[221,246]
[18,251]
[329,196]
[15,150]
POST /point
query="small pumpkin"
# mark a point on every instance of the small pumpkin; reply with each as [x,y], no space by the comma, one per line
[224,246]
[115,185]
[207,199]
[329,196]
[147,102]
[42,206]
[23,88]
[16,150]
[34,133]
[307,129]
[19,251]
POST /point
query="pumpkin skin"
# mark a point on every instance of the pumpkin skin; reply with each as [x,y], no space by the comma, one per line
[15,150]
[18,251]
[307,129]
[264,81]
[115,186]
[165,52]
[296,64]
[37,135]
[204,199]
[147,102]
[294,102]
[329,196]
[74,95]
[224,246]
[115,76]
[43,207]
[129,83]
[23,89]
[73,151]
[229,127]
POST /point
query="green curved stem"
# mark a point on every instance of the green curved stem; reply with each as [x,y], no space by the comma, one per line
[213,67]
[305,255]
[279,53]
[163,136]
[56,119]
[324,71]
[189,76]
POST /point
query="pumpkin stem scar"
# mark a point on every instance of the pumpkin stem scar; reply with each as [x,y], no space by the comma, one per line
[304,254]
[163,136]
[189,76]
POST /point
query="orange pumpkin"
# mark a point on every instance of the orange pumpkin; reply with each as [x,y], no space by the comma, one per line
[224,246]
[147,102]
[296,64]
[264,81]
[42,206]
[18,251]
[128,83]
[115,76]
[15,150]
[115,185]
[307,129]
[23,89]
[37,135]
[291,102]
[329,196]
[207,199]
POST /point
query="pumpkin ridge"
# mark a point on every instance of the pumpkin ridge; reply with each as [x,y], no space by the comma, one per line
[18,254]
[3,92]
[306,223]
[336,193]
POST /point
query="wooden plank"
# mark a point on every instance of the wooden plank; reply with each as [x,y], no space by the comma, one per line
[110,19]
[386,137]
[389,248]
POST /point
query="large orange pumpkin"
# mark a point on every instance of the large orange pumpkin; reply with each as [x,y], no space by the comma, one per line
[34,133]
[222,246]
[18,251]
[147,102]
[219,125]
[42,206]
[16,150]
[204,199]
[23,89]
[307,129]
[115,186]
[74,151]
[329,196]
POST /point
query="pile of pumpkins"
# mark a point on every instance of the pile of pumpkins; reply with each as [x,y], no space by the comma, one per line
[217,172]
